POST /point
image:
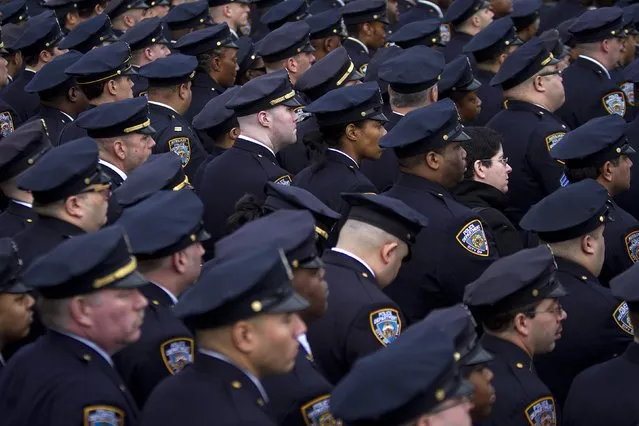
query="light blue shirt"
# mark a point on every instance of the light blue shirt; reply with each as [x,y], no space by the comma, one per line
[90,344]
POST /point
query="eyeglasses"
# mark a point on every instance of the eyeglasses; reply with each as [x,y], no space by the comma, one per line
[502,160]
[556,311]
[547,73]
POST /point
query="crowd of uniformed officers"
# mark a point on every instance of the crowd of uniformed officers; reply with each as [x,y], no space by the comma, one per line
[318,212]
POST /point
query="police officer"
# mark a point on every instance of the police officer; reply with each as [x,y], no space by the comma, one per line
[577,240]
[88,34]
[460,85]
[38,45]
[148,43]
[455,248]
[458,323]
[93,308]
[233,12]
[123,133]
[350,123]
[327,32]
[169,93]
[103,75]
[61,99]
[18,152]
[464,19]
[264,109]
[599,38]
[161,172]
[374,241]
[427,390]
[9,120]
[531,80]
[249,63]
[157,9]
[217,68]
[520,320]
[70,13]
[245,315]
[603,392]
[14,12]
[599,150]
[283,12]
[16,303]
[419,33]
[365,21]
[171,262]
[412,78]
[490,47]
[525,16]
[301,396]
[282,197]
[70,196]
[288,47]
[334,70]
[125,14]
[186,18]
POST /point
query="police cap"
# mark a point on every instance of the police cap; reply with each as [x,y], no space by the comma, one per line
[23,148]
[206,40]
[425,129]
[598,24]
[85,264]
[216,118]
[525,13]
[102,64]
[348,104]
[14,12]
[414,70]
[331,72]
[263,93]
[116,8]
[457,77]
[89,34]
[493,40]
[172,70]
[69,169]
[10,266]
[569,212]
[326,24]
[164,223]
[40,32]
[254,283]
[117,119]
[523,63]
[420,33]
[461,10]
[288,40]
[188,15]
[361,11]
[283,12]
[515,281]
[595,142]
[145,33]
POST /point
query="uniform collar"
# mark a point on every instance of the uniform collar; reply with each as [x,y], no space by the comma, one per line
[22,203]
[343,155]
[164,106]
[112,167]
[416,182]
[354,257]
[2,361]
[360,43]
[29,70]
[596,62]
[303,340]
[88,343]
[507,351]
[202,79]
[253,142]
[252,378]
[60,226]
[575,269]
[170,295]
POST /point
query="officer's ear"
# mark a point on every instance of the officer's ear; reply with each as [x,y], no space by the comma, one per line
[184,90]
[180,261]
[606,45]
[119,148]
[433,95]
[112,87]
[606,171]
[264,119]
[244,335]
[234,133]
[98,9]
[434,160]
[367,29]
[72,19]
[521,324]
[475,20]
[73,206]
[352,132]
[388,251]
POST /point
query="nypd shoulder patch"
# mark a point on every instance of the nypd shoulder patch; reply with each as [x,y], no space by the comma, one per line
[284,180]
[553,139]
[103,415]
[615,103]
[542,412]
[632,245]
[386,325]
[444,32]
[177,353]
[628,89]
[6,123]
[621,315]
[473,238]
[182,147]
[318,412]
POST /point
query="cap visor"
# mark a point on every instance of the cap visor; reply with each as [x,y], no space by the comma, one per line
[355,75]
[133,280]
[293,103]
[15,288]
[558,291]
[553,61]
[308,48]
[231,44]
[627,149]
[203,235]
[463,388]
[516,42]
[461,137]
[379,117]
[478,355]
[314,263]
[294,303]
[474,85]
[130,71]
